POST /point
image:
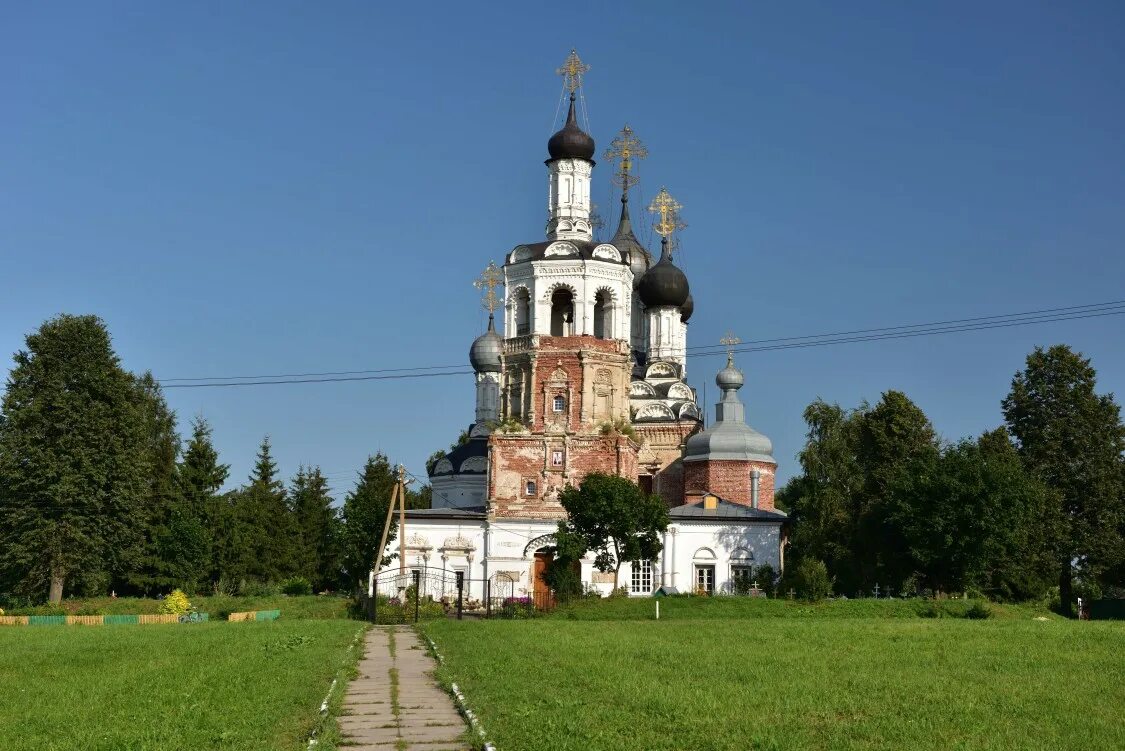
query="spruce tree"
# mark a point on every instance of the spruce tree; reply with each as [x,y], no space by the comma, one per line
[201,525]
[316,524]
[268,554]
[74,462]
[364,513]
[162,497]
[1072,438]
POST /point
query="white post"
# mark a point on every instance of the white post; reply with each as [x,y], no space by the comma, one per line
[658,610]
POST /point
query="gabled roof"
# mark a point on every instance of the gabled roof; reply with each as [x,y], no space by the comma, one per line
[725,510]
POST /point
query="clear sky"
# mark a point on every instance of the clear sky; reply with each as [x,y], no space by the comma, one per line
[260,188]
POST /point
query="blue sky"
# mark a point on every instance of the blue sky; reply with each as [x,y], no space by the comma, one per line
[293,187]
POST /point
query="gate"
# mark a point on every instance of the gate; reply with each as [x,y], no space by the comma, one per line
[425,594]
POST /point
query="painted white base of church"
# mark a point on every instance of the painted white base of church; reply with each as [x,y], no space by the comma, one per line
[510,554]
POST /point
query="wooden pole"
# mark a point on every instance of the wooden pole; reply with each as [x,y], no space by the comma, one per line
[401,519]
[386,530]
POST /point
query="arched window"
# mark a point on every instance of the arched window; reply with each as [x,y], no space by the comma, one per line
[523,312]
[562,312]
[603,315]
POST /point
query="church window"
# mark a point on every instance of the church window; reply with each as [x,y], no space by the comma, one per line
[556,458]
[562,312]
[645,481]
[705,579]
[742,579]
[530,488]
[523,312]
[641,581]
[603,315]
[560,404]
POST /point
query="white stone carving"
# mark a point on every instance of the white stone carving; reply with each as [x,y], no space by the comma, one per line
[640,388]
[520,254]
[458,543]
[608,252]
[560,249]
[680,391]
[655,411]
[443,467]
[417,541]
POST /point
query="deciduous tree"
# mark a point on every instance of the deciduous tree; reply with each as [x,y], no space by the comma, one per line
[1073,439]
[613,518]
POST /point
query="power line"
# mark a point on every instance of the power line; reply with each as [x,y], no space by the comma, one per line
[1084,308]
[313,380]
[955,325]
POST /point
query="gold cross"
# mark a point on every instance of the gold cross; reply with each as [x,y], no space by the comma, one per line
[489,280]
[572,71]
[625,147]
[730,341]
[669,210]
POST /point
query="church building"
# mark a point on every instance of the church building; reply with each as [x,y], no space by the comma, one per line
[586,371]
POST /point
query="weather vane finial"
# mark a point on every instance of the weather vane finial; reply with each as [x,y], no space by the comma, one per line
[625,148]
[572,71]
[489,280]
[730,341]
[669,210]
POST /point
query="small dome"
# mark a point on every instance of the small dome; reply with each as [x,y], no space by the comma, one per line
[571,142]
[687,308]
[729,377]
[484,355]
[664,284]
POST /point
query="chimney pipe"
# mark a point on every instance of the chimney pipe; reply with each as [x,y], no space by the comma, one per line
[755,475]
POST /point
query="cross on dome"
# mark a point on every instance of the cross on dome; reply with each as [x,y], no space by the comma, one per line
[625,148]
[669,210]
[489,280]
[572,71]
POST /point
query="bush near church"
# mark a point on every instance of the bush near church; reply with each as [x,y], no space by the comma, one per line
[176,603]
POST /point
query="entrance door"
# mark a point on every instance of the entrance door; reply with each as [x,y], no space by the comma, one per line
[542,592]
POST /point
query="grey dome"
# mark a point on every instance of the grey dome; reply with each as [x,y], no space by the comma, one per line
[730,377]
[571,142]
[729,437]
[664,284]
[484,355]
[687,308]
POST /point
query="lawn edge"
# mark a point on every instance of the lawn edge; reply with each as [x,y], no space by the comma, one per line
[459,699]
[325,731]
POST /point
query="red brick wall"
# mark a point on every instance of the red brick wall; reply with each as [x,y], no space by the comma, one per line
[664,443]
[730,480]
[518,458]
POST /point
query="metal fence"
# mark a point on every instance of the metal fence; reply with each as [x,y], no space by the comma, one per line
[407,597]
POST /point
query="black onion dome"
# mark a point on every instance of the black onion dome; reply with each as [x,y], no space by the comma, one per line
[571,142]
[664,284]
[687,308]
[484,355]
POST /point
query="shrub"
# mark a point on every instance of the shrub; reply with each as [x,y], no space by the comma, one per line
[619,593]
[813,580]
[297,585]
[767,579]
[258,589]
[978,611]
[176,603]
[224,587]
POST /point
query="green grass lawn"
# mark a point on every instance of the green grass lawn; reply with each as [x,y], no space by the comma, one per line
[199,686]
[790,683]
[301,606]
[711,608]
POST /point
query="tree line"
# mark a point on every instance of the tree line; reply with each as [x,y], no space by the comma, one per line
[1033,507]
[98,493]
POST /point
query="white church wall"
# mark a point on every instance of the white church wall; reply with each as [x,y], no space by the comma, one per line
[688,546]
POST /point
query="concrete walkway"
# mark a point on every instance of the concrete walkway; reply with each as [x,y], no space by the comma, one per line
[394,704]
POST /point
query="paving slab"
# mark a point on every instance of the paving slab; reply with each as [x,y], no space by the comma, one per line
[419,715]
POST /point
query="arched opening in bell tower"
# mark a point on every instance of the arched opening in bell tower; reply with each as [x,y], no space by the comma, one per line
[603,315]
[562,312]
[523,312]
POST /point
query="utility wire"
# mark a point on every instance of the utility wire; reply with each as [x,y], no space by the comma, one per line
[956,325]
